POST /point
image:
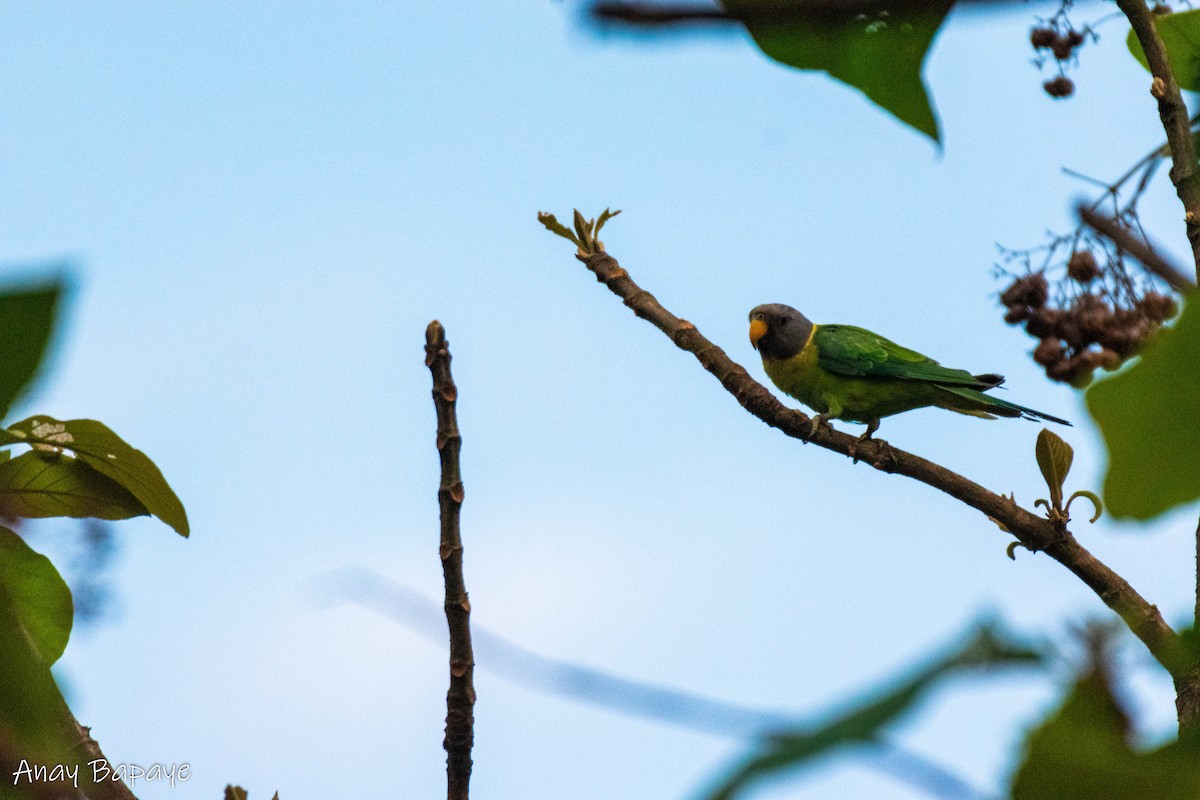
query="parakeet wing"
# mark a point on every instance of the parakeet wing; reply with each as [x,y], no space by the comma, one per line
[848,350]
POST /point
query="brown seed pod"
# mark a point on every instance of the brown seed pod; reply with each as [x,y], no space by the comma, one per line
[1062,48]
[1082,378]
[1074,38]
[1044,322]
[1093,324]
[1048,352]
[1157,306]
[1069,331]
[1077,370]
[1028,290]
[1016,314]
[1042,37]
[1108,359]
[1091,302]
[1082,266]
[1061,370]
[1060,87]
[1119,341]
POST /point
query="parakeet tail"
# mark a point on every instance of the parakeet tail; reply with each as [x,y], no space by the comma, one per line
[978,404]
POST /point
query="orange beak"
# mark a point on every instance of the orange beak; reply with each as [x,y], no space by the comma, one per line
[758,329]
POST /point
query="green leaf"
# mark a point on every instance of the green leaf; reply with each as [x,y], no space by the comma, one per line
[37,595]
[1150,418]
[106,453]
[793,749]
[40,484]
[582,227]
[1054,457]
[880,54]
[605,217]
[27,315]
[554,226]
[1082,752]
[1180,33]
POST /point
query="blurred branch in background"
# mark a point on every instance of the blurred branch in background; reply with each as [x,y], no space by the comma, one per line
[856,723]
[1140,249]
[646,14]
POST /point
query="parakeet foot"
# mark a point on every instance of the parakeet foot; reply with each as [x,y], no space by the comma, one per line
[872,426]
[887,460]
[820,420]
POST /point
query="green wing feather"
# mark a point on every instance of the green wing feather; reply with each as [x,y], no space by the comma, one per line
[848,350]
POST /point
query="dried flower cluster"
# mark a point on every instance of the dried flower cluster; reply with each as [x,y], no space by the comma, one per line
[1059,40]
[1092,317]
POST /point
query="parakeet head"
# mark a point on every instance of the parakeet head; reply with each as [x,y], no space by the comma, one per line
[778,331]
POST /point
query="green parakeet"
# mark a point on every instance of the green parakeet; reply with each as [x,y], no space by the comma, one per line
[848,373]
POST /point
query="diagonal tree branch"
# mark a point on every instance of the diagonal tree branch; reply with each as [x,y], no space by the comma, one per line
[460,699]
[1173,113]
[1036,533]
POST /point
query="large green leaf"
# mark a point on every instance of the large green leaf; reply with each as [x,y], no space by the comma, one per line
[1180,33]
[105,452]
[39,600]
[27,316]
[1150,418]
[39,484]
[793,749]
[880,54]
[1082,752]
[1054,457]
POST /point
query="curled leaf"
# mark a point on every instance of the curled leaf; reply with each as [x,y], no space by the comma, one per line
[1096,504]
[1054,457]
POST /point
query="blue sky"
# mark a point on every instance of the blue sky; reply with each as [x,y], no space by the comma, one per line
[265,204]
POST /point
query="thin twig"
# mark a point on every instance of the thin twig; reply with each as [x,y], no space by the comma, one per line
[1036,533]
[460,699]
[1139,249]
[1173,113]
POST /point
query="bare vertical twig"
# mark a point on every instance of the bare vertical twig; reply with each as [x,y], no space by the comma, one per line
[1173,113]
[460,699]
[1196,616]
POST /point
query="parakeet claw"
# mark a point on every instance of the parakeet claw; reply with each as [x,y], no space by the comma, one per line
[872,426]
[818,421]
[887,455]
